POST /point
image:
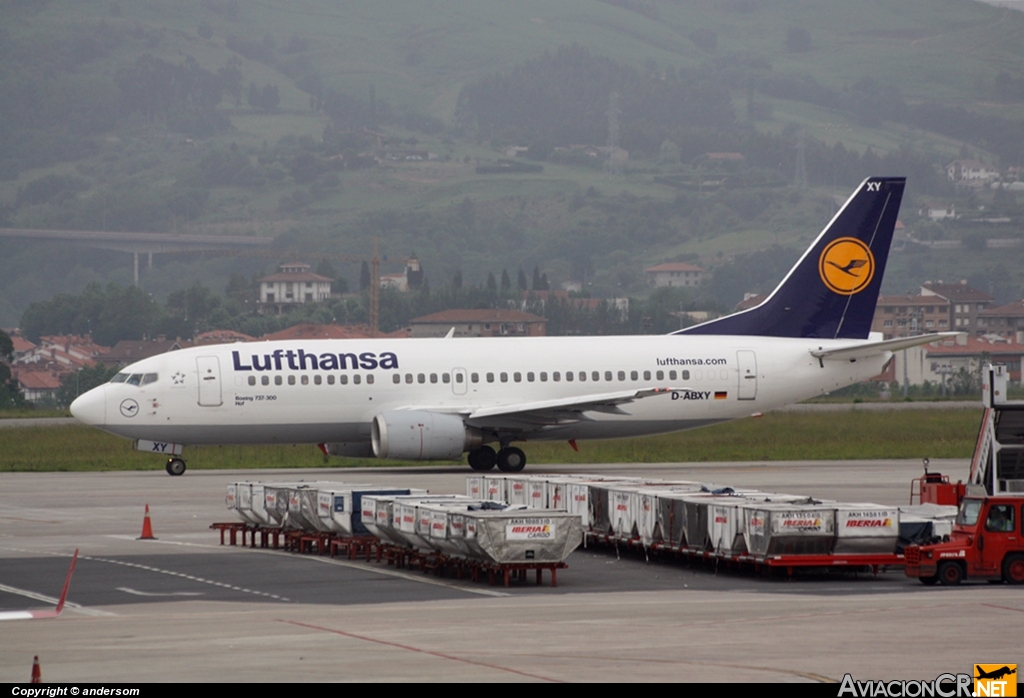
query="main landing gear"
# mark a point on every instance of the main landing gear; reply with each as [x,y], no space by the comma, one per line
[509,459]
[175,466]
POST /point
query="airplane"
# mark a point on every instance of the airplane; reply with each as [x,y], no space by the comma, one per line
[438,398]
[31,615]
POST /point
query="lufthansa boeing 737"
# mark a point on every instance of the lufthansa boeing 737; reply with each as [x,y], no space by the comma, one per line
[423,399]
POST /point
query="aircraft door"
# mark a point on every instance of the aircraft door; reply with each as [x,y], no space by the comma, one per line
[459,381]
[208,368]
[747,362]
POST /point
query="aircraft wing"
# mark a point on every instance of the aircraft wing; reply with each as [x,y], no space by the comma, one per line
[862,351]
[559,411]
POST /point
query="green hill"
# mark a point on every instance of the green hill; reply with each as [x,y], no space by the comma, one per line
[224,116]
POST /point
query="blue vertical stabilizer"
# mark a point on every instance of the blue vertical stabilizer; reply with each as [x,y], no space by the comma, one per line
[832,291]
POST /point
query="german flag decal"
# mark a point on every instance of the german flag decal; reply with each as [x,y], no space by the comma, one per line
[721,394]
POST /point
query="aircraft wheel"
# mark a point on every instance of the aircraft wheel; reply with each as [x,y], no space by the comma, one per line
[1013,569]
[929,581]
[482,458]
[950,574]
[511,460]
[175,466]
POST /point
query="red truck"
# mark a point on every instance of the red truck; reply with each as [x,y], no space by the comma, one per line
[986,543]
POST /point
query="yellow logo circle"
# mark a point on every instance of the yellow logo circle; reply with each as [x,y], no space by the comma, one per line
[846,266]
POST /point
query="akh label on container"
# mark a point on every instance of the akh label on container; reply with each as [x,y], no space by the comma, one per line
[804,521]
[530,529]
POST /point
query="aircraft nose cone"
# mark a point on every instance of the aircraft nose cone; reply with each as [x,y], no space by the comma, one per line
[91,408]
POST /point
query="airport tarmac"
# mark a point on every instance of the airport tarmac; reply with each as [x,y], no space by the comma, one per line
[184,607]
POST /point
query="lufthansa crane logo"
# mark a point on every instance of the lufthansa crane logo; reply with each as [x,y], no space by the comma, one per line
[846,266]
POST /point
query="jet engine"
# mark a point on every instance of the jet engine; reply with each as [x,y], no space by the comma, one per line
[420,435]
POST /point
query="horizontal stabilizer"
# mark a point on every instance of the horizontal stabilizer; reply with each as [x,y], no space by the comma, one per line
[862,351]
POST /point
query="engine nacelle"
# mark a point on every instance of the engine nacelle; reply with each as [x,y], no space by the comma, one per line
[418,435]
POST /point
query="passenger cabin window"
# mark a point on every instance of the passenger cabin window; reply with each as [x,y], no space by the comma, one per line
[517,377]
[433,377]
[671,375]
[396,378]
[356,380]
[343,379]
[556,376]
[264,380]
[622,375]
[686,375]
[595,376]
[543,377]
[660,375]
[252,380]
[317,379]
[647,375]
[369,379]
[277,380]
[330,379]
[504,378]
[608,375]
[408,378]
[421,378]
[291,380]
[475,377]
[490,377]
[305,379]
[568,376]
[458,377]
[529,376]
[446,378]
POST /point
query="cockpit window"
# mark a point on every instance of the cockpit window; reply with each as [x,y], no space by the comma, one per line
[135,379]
[119,378]
[149,378]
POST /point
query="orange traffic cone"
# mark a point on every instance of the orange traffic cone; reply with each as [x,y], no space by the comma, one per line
[37,674]
[147,528]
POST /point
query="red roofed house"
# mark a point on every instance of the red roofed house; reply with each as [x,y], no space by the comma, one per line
[220,337]
[480,322]
[910,315]
[128,351]
[673,274]
[308,330]
[929,362]
[294,284]
[1006,321]
[61,353]
[38,385]
[966,304]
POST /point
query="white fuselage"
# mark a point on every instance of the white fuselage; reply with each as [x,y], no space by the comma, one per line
[295,392]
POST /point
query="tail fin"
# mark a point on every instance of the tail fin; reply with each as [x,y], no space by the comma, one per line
[832,291]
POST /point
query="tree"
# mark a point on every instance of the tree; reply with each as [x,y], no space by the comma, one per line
[364,277]
[521,281]
[10,396]
[492,283]
[506,282]
[81,381]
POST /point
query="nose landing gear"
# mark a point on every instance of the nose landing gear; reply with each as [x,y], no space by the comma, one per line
[175,466]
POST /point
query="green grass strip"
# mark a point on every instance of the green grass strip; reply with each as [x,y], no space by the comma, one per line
[781,436]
